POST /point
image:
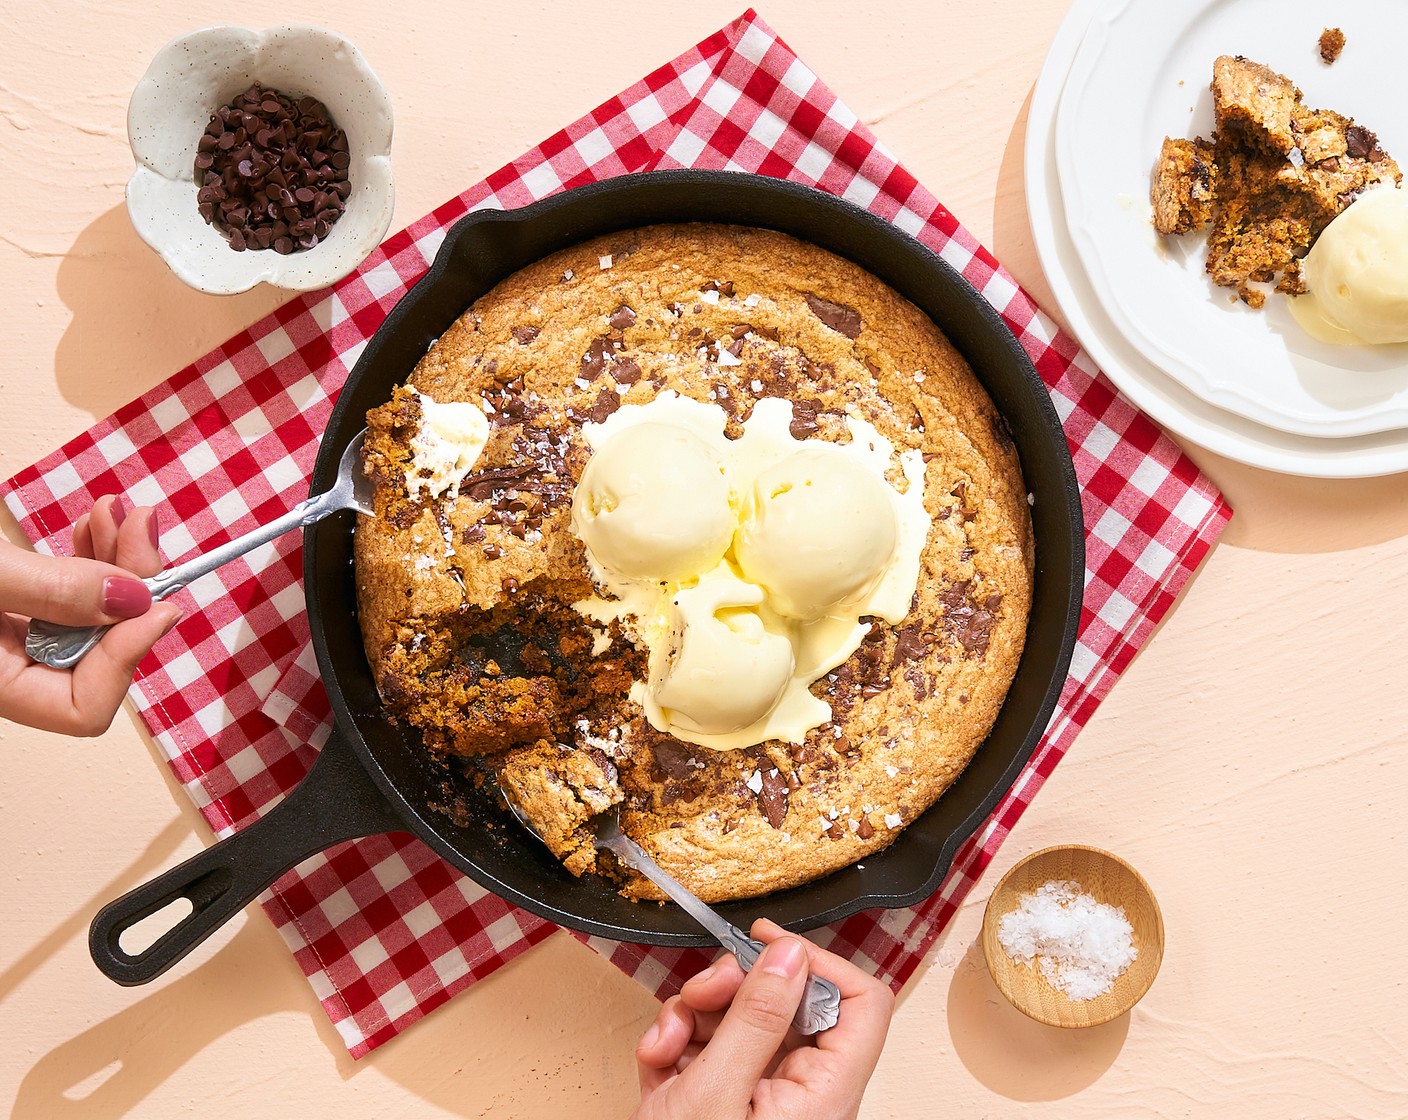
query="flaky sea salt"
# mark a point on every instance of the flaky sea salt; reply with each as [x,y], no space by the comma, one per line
[1079,944]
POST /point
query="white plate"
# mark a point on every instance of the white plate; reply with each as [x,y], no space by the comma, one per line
[1141,381]
[1141,73]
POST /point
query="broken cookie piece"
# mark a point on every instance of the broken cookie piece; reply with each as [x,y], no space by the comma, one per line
[1184,185]
[1275,173]
[557,790]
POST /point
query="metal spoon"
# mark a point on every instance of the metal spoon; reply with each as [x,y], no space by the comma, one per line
[821,1002]
[62,647]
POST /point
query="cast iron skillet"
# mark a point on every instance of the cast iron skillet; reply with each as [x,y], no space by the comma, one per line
[372,776]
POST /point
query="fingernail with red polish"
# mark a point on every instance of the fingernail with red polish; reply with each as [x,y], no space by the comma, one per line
[125,598]
[153,527]
[119,510]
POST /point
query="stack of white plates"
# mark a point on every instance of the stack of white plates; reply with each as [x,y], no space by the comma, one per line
[1123,74]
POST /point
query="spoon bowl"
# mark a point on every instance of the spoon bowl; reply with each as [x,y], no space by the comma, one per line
[821,1002]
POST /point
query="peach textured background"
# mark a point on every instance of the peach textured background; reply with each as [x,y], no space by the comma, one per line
[1251,763]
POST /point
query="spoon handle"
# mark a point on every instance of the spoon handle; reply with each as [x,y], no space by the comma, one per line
[821,1002]
[304,513]
[62,647]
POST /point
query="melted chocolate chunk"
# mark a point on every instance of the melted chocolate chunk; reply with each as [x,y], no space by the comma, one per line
[837,316]
[605,404]
[622,318]
[604,764]
[626,371]
[524,335]
[672,760]
[1359,141]
[804,414]
[912,644]
[481,485]
[772,798]
[601,350]
[966,621]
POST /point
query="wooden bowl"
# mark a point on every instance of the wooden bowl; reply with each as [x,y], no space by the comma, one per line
[1106,878]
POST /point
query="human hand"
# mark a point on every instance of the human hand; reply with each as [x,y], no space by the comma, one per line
[95,586]
[723,1048]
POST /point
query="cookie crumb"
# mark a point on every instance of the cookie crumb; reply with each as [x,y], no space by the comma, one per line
[1331,43]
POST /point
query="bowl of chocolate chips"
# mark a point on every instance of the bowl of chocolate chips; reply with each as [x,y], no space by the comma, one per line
[262,157]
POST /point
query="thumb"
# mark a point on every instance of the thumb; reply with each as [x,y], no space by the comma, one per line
[754,1027]
[70,590]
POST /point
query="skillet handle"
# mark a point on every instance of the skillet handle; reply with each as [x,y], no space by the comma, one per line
[336,801]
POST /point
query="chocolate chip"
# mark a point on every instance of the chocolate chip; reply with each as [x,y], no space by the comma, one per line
[622,318]
[865,830]
[258,161]
[524,335]
[837,316]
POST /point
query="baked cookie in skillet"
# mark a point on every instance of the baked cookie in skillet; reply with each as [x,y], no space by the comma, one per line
[471,599]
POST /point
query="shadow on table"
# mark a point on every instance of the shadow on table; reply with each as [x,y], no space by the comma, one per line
[1012,241]
[1018,1057]
[157,852]
[108,1070]
[134,323]
[1286,514]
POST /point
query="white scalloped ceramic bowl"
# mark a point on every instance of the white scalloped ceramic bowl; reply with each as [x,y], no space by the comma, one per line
[193,76]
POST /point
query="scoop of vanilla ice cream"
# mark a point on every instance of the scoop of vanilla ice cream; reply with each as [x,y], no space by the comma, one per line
[723,669]
[447,444]
[653,504]
[1357,273]
[818,531]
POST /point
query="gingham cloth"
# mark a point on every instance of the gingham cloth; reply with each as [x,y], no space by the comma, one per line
[384,929]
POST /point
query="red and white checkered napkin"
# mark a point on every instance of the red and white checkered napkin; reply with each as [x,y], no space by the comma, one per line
[384,929]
